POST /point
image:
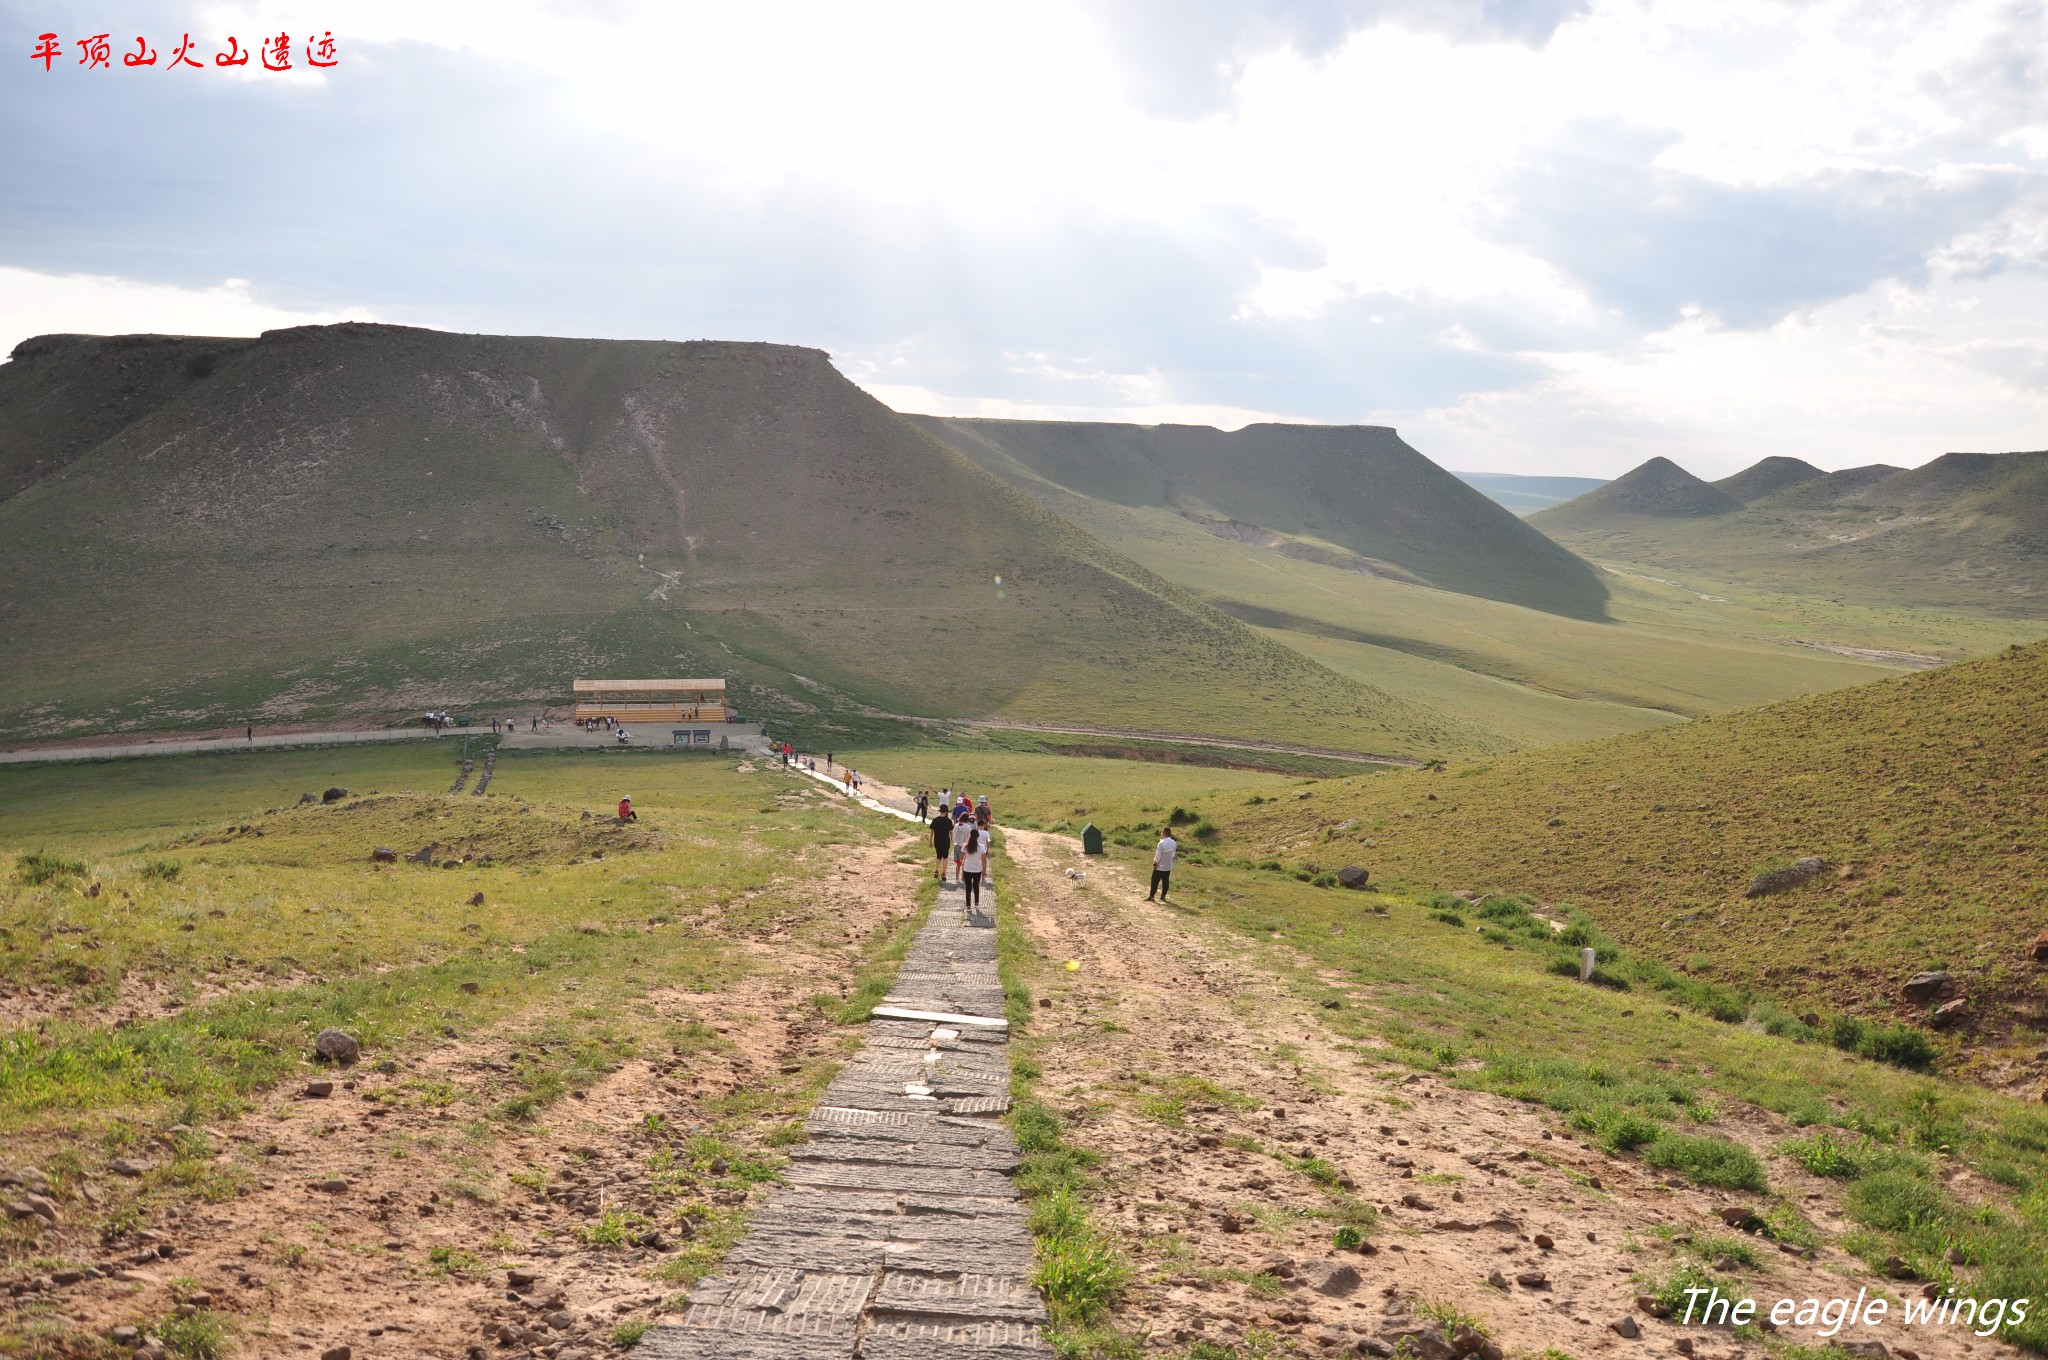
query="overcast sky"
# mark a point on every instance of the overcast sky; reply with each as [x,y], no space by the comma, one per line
[1546,236]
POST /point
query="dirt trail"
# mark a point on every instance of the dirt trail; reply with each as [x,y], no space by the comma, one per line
[1466,1184]
[381,1216]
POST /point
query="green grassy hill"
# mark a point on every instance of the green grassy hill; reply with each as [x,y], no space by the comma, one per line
[1659,489]
[1924,794]
[354,522]
[1348,496]
[1767,477]
[1966,531]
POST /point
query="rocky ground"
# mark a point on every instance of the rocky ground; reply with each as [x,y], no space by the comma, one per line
[1237,1135]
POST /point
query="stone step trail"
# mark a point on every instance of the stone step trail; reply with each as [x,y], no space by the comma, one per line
[898,1234]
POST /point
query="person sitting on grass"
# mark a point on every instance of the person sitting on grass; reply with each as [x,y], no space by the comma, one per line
[626,813]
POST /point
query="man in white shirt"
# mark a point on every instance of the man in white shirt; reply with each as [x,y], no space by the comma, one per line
[1162,863]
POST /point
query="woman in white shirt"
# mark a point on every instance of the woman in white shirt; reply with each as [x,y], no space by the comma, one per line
[973,863]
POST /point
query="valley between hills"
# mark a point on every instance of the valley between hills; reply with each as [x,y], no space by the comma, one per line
[1769,748]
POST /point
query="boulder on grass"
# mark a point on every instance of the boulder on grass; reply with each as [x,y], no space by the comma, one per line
[336,1047]
[1351,876]
[1782,880]
[1926,988]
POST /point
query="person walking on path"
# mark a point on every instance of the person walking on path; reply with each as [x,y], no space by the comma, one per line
[1162,863]
[251,734]
[942,840]
[963,827]
[973,863]
[924,806]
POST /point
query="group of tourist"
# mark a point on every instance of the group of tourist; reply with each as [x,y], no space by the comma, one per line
[960,829]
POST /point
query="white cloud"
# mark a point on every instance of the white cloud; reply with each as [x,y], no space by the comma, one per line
[95,304]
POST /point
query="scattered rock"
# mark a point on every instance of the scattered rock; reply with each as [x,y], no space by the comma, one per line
[337,1047]
[1279,1267]
[1870,1350]
[1736,1216]
[336,1353]
[1419,1340]
[1532,1279]
[1654,1306]
[520,1279]
[1926,988]
[1949,1013]
[476,899]
[66,1277]
[1415,1201]
[130,1166]
[1625,1327]
[33,1206]
[1683,1345]
[1497,1280]
[425,854]
[383,854]
[333,1185]
[1780,880]
[2038,950]
[320,1089]
[1333,1278]
[124,1336]
[1352,876]
[1467,1341]
[1544,1242]
[305,798]
[334,795]
[1895,1268]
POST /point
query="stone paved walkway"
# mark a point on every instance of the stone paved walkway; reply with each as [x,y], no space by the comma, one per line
[899,1235]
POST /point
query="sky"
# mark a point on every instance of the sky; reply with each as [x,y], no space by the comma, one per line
[1537,236]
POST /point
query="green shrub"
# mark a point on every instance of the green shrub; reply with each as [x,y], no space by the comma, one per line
[1449,918]
[1894,1201]
[39,867]
[202,1335]
[1706,1160]
[1624,1130]
[1824,1154]
[1899,1045]
[163,870]
[628,1333]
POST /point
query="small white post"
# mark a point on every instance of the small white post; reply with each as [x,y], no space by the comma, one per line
[1586,965]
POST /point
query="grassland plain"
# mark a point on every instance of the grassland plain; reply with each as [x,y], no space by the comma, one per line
[1923,794]
[582,1043]
[360,521]
[1670,650]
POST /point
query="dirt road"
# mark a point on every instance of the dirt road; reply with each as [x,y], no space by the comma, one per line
[1238,1133]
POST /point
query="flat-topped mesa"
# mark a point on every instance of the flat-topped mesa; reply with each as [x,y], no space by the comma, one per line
[1324,490]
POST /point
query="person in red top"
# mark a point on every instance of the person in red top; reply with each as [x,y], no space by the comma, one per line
[626,813]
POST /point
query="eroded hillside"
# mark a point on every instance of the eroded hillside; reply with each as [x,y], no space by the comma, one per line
[1923,795]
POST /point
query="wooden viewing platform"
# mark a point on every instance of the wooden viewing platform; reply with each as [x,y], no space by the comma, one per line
[650,702]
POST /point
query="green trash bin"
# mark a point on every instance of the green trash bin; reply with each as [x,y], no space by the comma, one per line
[1091,840]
